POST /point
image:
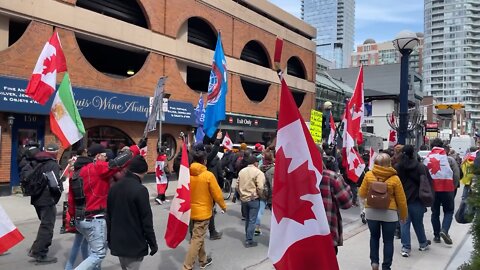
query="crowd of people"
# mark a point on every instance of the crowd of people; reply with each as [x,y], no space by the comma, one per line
[110,208]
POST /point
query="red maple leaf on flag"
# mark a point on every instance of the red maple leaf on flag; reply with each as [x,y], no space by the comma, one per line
[184,194]
[159,171]
[289,187]
[49,64]
[434,165]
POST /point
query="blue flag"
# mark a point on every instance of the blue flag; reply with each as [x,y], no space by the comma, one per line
[217,91]
[199,119]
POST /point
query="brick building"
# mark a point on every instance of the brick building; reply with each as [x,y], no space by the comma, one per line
[117,50]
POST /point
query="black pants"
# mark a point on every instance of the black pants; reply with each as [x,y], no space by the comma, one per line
[47,215]
[211,224]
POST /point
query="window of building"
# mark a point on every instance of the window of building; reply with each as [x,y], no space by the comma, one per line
[16,28]
[256,91]
[198,78]
[254,52]
[201,33]
[112,59]
[298,97]
[125,10]
[295,67]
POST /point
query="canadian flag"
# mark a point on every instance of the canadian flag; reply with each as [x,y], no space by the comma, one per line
[227,142]
[143,151]
[300,235]
[51,61]
[357,109]
[371,160]
[333,131]
[442,175]
[392,137]
[160,176]
[352,161]
[179,217]
[9,234]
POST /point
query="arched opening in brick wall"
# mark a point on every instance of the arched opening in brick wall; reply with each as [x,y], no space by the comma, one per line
[296,68]
[254,52]
[125,10]
[200,32]
[112,59]
[298,97]
[16,28]
[256,91]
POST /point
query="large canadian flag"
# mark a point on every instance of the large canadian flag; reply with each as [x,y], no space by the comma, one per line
[352,161]
[160,175]
[442,175]
[357,109]
[9,234]
[51,61]
[179,217]
[300,235]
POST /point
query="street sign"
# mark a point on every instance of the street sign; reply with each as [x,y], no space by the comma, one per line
[452,106]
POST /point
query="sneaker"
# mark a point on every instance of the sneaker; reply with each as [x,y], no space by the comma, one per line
[207,263]
[362,216]
[375,266]
[250,244]
[446,238]
[436,239]
[426,247]
[405,254]
[158,201]
[234,199]
[45,259]
[257,232]
[216,235]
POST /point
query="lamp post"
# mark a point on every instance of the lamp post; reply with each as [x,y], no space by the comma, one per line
[404,42]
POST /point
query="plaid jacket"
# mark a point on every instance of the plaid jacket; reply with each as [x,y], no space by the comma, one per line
[335,194]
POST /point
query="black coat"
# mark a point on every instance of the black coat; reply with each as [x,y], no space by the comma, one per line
[129,218]
[409,171]
[48,197]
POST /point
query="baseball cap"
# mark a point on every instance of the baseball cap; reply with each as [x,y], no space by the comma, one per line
[51,147]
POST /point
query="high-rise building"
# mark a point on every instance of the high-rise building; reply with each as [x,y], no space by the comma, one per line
[371,53]
[335,23]
[452,53]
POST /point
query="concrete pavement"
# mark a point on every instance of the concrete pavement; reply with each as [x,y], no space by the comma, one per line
[229,253]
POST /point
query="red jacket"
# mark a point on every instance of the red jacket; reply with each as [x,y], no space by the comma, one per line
[96,184]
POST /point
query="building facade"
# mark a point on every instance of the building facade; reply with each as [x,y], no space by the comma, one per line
[372,53]
[452,53]
[116,54]
[335,24]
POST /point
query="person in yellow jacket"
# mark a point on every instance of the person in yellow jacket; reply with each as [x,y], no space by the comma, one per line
[204,191]
[383,221]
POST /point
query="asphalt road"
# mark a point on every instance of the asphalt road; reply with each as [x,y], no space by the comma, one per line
[227,253]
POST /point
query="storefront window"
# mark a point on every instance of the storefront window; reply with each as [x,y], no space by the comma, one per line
[110,137]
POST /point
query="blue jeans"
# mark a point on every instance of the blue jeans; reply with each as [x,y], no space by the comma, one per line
[416,210]
[95,231]
[446,200]
[261,210]
[251,211]
[387,229]
[79,244]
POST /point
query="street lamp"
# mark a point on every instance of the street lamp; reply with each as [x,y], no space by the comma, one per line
[404,42]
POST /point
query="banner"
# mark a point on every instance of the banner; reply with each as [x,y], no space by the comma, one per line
[316,125]
[157,98]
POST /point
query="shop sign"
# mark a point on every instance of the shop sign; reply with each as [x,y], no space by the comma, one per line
[431,127]
[92,104]
[316,125]
[248,121]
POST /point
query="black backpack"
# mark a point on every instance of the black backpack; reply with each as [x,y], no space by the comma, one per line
[33,181]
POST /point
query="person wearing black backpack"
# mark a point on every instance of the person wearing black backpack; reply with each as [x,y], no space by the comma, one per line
[409,170]
[45,205]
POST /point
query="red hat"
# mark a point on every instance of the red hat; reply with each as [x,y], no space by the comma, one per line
[259,147]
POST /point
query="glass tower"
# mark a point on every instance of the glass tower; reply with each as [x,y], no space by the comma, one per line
[335,23]
[452,53]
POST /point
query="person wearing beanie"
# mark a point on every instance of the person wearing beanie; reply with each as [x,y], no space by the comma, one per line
[128,205]
[45,203]
[90,213]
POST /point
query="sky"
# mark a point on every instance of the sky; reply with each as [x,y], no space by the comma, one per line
[381,20]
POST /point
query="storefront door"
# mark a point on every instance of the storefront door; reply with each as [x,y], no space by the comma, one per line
[25,127]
